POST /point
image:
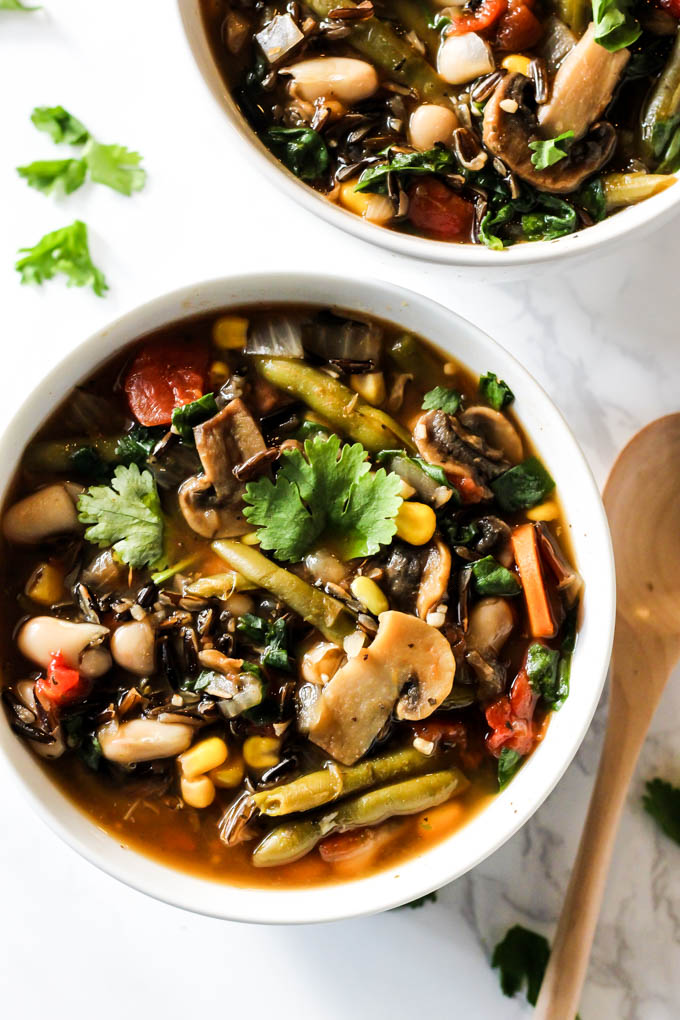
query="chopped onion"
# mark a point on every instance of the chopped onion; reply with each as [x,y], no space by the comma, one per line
[279,336]
[279,37]
[337,339]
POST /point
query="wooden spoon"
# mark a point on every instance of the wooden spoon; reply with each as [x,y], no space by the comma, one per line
[642,498]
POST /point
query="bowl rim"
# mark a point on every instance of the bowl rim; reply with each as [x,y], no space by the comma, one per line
[639,218]
[508,810]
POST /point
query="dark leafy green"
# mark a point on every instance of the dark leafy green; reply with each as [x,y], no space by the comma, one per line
[509,762]
[523,486]
[522,957]
[665,144]
[60,125]
[438,160]
[662,802]
[615,26]
[272,638]
[554,218]
[88,464]
[591,198]
[442,398]
[188,416]
[301,149]
[496,392]
[566,650]
[135,446]
[200,682]
[492,578]
[309,429]
[542,670]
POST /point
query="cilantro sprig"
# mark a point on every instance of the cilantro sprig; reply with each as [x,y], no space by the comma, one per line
[521,957]
[327,493]
[662,802]
[126,516]
[442,398]
[62,251]
[546,152]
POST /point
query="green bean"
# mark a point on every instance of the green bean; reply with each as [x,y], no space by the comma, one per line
[627,189]
[56,454]
[291,841]
[325,613]
[417,16]
[334,781]
[384,47]
[336,403]
[662,106]
[574,13]
[411,356]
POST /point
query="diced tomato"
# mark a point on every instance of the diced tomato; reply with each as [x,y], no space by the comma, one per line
[672,6]
[510,718]
[467,488]
[485,15]
[519,28]
[343,845]
[63,684]
[436,209]
[163,376]
[448,732]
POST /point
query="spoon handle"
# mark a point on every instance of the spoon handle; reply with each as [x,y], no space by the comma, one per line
[561,988]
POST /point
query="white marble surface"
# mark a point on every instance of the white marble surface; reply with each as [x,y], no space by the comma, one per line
[602,339]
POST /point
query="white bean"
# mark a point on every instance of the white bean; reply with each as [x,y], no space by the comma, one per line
[43,636]
[49,511]
[343,78]
[462,58]
[143,740]
[490,625]
[430,124]
[133,646]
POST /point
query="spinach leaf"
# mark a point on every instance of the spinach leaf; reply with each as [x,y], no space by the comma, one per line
[522,956]
[553,218]
[522,486]
[441,398]
[492,578]
[509,762]
[662,802]
[665,142]
[496,392]
[650,58]
[271,637]
[186,417]
[566,650]
[136,446]
[301,149]
[548,151]
[88,464]
[438,160]
[615,27]
[542,670]
[591,198]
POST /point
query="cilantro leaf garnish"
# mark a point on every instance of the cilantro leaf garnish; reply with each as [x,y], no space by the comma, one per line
[60,125]
[115,166]
[126,515]
[48,175]
[441,398]
[522,956]
[327,492]
[62,251]
[546,152]
[136,446]
[496,392]
[662,802]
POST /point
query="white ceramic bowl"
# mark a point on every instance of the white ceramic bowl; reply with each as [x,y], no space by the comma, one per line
[590,536]
[637,219]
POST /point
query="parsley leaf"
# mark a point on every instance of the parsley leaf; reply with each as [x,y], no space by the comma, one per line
[492,578]
[301,149]
[126,515]
[662,802]
[547,151]
[441,398]
[496,392]
[542,670]
[522,956]
[509,762]
[62,251]
[186,417]
[522,486]
[136,446]
[323,494]
[615,27]
[60,125]
[115,166]
[48,175]
[271,637]
[430,897]
[16,5]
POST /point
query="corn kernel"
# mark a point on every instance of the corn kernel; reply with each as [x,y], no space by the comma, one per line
[370,595]
[370,386]
[230,332]
[202,757]
[228,775]
[219,373]
[548,511]
[416,523]
[45,585]
[355,201]
[197,793]
[261,752]
[250,539]
[406,490]
[518,64]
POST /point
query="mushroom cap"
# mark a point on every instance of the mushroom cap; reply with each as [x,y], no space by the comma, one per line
[507,135]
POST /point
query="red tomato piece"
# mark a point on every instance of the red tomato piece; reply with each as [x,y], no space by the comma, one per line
[467,488]
[519,28]
[163,376]
[488,12]
[510,719]
[672,6]
[436,209]
[63,684]
[442,731]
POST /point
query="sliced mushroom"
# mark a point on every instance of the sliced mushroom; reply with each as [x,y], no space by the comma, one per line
[43,636]
[406,655]
[495,429]
[442,440]
[212,502]
[133,646]
[507,135]
[435,579]
[569,581]
[143,740]
[48,512]
[583,87]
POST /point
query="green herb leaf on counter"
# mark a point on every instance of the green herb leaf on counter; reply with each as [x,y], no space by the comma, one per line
[662,802]
[419,902]
[47,175]
[115,166]
[522,486]
[330,492]
[136,446]
[492,578]
[615,27]
[60,125]
[509,762]
[301,149]
[272,638]
[62,251]
[548,151]
[496,392]
[126,516]
[16,5]
[188,416]
[441,398]
[521,957]
[542,669]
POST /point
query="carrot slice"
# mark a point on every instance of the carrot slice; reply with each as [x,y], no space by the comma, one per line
[525,548]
